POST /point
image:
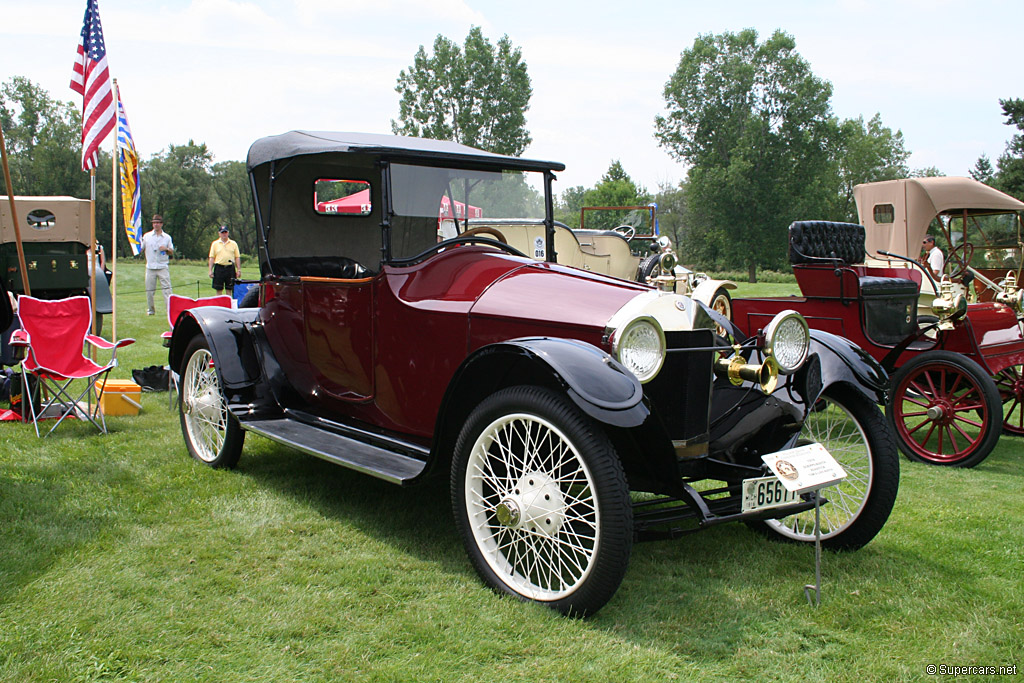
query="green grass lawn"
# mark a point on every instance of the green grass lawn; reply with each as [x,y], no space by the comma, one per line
[123,559]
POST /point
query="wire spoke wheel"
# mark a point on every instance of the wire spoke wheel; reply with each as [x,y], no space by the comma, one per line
[211,433]
[1010,384]
[945,410]
[722,303]
[853,430]
[533,508]
[541,501]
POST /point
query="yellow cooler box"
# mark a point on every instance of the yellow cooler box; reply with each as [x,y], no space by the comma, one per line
[120,397]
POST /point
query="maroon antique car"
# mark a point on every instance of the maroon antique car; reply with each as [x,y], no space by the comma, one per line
[572,412]
[943,403]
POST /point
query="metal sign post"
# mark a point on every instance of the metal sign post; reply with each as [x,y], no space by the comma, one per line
[807,470]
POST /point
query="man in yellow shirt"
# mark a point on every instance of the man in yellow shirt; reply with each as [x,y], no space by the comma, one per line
[225,261]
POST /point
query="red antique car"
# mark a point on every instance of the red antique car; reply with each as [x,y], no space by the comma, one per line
[943,403]
[572,412]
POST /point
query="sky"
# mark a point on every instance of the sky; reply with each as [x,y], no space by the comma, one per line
[227,72]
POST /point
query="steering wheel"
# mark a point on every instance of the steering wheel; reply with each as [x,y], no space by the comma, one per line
[484,230]
[627,231]
[960,255]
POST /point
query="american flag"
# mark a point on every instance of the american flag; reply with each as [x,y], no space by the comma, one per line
[91,80]
[131,200]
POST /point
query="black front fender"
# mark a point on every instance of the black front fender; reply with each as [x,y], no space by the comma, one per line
[599,385]
[595,381]
[228,334]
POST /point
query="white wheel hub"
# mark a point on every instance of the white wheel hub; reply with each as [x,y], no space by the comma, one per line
[535,504]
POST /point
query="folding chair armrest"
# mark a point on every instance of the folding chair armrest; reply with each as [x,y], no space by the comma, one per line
[100,342]
[19,338]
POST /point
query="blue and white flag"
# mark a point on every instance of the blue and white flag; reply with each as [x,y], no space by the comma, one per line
[131,198]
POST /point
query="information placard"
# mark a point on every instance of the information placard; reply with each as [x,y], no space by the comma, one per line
[805,468]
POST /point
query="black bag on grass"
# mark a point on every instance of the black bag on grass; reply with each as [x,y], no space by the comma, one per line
[152,378]
[16,395]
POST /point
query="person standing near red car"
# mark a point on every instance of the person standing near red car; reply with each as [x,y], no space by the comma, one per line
[225,260]
[158,248]
[933,256]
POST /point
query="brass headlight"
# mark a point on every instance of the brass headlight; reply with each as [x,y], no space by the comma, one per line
[640,346]
[948,306]
[787,339]
[1011,295]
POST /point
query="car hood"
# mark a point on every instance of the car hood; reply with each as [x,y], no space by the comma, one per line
[555,296]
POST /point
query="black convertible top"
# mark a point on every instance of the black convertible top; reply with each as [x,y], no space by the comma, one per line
[302,142]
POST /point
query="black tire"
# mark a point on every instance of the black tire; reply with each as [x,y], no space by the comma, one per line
[250,299]
[967,405]
[648,266]
[854,431]
[212,434]
[555,527]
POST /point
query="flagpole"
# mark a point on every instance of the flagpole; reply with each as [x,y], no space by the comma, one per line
[14,218]
[91,254]
[114,187]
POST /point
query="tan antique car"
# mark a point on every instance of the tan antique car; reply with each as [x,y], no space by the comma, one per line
[977,225]
[629,252]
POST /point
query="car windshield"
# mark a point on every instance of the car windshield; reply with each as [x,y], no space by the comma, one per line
[432,204]
[994,237]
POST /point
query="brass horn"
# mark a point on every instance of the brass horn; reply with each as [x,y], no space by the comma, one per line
[737,371]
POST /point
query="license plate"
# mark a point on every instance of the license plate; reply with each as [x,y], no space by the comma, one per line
[765,492]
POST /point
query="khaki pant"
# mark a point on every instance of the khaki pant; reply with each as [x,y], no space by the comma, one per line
[152,276]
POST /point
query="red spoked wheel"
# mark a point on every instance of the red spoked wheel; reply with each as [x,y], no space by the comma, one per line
[945,410]
[1010,383]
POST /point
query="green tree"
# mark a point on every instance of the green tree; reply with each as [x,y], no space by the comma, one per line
[926,172]
[983,171]
[1010,178]
[43,139]
[674,218]
[234,203]
[753,122]
[477,95]
[864,153]
[615,189]
[568,205]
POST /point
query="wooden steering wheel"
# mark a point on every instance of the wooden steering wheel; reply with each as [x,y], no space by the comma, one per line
[960,256]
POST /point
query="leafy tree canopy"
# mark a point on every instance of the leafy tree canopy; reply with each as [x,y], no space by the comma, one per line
[477,95]
[1010,178]
[983,170]
[753,122]
[864,153]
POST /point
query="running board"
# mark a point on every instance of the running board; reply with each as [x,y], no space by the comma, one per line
[341,450]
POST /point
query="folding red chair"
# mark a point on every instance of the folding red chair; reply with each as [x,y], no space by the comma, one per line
[54,334]
[175,306]
[177,303]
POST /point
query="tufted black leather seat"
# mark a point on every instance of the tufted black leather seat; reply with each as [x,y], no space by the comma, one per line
[889,303]
[810,240]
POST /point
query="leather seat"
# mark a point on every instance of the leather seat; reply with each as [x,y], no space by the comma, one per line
[873,286]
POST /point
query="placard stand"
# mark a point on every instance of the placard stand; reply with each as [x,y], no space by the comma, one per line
[808,469]
[816,601]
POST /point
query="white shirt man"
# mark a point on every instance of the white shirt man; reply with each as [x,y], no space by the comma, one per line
[934,256]
[158,247]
